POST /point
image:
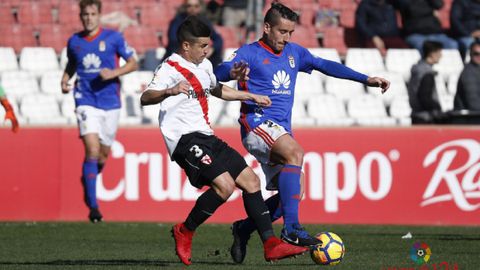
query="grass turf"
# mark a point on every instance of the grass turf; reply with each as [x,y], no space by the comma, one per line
[150,246]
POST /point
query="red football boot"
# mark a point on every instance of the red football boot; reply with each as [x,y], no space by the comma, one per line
[276,249]
[183,242]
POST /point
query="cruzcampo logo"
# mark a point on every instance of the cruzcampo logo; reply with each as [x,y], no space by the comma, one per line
[420,253]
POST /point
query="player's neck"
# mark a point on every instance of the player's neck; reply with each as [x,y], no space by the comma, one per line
[92,33]
[268,46]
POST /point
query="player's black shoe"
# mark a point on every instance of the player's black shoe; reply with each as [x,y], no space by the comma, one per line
[299,237]
[95,215]
[239,246]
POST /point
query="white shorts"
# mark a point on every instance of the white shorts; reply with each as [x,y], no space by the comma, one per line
[102,122]
[259,142]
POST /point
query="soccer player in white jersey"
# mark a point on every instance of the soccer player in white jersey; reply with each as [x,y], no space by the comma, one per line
[182,84]
[93,55]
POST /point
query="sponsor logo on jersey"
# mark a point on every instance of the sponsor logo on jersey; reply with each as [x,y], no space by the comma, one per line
[102,46]
[291,61]
[91,62]
[266,61]
[193,94]
[281,78]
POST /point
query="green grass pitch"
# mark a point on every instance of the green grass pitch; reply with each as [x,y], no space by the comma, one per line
[112,245]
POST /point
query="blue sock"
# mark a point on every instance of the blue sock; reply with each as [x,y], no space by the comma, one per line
[90,171]
[289,190]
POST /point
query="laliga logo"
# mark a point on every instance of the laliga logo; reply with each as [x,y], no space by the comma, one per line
[467,187]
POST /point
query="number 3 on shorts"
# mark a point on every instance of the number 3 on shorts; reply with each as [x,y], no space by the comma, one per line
[197,150]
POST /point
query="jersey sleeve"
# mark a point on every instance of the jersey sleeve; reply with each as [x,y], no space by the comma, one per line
[309,62]
[222,72]
[123,49]
[162,78]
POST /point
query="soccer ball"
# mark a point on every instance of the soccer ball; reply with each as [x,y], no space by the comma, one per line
[330,252]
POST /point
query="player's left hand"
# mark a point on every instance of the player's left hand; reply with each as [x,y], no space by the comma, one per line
[378,82]
[262,100]
[240,71]
[107,74]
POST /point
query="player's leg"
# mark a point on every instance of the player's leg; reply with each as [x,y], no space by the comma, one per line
[198,157]
[89,126]
[221,189]
[274,248]
[287,151]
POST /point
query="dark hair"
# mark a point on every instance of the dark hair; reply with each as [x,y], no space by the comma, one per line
[476,42]
[84,3]
[192,28]
[278,11]
[430,47]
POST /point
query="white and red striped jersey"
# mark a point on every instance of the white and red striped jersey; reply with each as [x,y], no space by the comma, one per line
[182,114]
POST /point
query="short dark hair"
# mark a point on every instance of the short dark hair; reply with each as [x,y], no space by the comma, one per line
[277,11]
[430,47]
[192,28]
[84,3]
[476,42]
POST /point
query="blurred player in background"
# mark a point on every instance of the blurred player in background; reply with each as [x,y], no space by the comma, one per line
[93,54]
[182,84]
[270,67]
[9,113]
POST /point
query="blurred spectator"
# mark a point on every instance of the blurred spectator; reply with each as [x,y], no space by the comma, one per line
[118,20]
[376,22]
[422,92]
[193,8]
[421,23]
[326,17]
[234,13]
[465,22]
[468,88]
[9,113]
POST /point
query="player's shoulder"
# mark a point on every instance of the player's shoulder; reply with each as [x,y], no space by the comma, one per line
[112,33]
[296,47]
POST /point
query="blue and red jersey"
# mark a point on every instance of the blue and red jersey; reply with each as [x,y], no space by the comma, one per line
[90,55]
[274,75]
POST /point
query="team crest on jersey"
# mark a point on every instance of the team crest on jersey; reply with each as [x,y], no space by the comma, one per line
[102,46]
[291,61]
[206,160]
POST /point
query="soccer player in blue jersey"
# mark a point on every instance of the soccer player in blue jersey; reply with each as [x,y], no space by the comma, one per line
[270,67]
[93,54]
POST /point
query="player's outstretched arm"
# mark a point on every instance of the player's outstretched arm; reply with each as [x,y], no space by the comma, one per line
[229,94]
[150,97]
[379,82]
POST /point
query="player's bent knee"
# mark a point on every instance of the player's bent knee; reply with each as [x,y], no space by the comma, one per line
[224,186]
[248,181]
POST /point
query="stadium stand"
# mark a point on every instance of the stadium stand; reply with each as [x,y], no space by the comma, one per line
[8,59]
[327,110]
[368,110]
[41,109]
[33,56]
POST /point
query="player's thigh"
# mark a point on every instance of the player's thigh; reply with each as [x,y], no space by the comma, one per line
[260,140]
[109,129]
[89,120]
[198,156]
[224,185]
[248,181]
[286,150]
[91,144]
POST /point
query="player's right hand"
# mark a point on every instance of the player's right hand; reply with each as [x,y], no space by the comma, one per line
[240,71]
[10,115]
[66,87]
[262,100]
[181,87]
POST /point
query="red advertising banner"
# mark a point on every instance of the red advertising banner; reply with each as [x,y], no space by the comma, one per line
[428,175]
